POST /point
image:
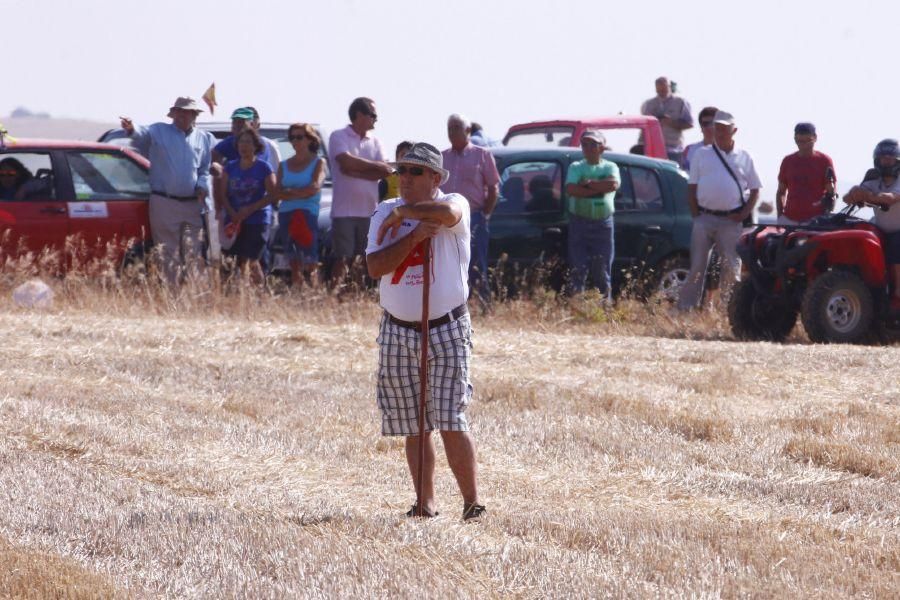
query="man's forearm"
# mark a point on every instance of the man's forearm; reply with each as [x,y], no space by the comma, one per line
[751,201]
[490,202]
[362,168]
[692,200]
[384,261]
[779,204]
[444,213]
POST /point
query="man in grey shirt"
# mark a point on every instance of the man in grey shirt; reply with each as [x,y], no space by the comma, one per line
[674,114]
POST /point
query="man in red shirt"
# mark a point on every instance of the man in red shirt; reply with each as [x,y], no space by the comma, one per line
[805,178]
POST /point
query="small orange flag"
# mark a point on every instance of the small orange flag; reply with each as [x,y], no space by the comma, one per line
[209,96]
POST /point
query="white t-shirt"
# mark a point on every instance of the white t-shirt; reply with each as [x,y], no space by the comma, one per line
[400,292]
[716,189]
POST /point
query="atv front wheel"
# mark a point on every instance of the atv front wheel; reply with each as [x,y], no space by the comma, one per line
[837,308]
[755,317]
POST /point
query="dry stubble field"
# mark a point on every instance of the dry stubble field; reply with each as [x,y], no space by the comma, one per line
[230,448]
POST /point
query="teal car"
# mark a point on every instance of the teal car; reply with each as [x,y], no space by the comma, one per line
[652,218]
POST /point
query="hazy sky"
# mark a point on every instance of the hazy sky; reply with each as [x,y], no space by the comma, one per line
[771,63]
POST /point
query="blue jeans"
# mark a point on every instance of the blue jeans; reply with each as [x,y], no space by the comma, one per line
[478,265]
[591,248]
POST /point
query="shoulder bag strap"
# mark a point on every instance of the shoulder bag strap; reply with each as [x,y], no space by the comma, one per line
[730,172]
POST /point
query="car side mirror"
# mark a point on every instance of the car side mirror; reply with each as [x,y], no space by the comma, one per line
[765,208]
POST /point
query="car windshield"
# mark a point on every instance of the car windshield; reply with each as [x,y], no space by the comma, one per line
[621,140]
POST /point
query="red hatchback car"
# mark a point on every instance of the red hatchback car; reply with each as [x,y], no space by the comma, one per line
[52,190]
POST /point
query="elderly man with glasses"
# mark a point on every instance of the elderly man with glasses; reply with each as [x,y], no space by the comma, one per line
[395,256]
[723,188]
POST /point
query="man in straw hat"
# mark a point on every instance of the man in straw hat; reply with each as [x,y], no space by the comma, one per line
[395,255]
[179,155]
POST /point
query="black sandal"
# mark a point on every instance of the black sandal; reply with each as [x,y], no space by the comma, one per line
[473,511]
[414,512]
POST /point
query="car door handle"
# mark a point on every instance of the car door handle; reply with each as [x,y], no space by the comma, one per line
[653,229]
[53,210]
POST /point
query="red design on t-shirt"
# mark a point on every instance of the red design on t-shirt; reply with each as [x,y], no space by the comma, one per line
[415,258]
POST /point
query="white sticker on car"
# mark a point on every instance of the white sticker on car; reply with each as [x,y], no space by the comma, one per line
[88,210]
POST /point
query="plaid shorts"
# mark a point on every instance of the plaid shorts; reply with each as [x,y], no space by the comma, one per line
[449,387]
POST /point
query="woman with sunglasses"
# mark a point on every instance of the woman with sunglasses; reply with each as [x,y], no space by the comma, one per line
[299,185]
[249,186]
[13,175]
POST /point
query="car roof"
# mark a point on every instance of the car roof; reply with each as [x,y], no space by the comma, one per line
[609,121]
[34,143]
[45,144]
[226,125]
[506,153]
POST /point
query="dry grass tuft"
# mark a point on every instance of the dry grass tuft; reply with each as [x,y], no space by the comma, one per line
[842,456]
[29,574]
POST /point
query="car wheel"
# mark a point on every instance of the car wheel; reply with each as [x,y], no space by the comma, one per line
[667,277]
[837,308]
[755,317]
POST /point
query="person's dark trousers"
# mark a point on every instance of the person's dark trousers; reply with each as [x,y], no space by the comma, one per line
[591,250]
[478,265]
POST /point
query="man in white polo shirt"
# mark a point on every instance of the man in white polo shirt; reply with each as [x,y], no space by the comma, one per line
[395,257]
[722,190]
[357,164]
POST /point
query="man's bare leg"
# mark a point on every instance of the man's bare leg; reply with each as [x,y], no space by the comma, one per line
[460,449]
[412,459]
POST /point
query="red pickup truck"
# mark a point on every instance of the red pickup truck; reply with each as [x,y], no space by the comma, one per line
[620,134]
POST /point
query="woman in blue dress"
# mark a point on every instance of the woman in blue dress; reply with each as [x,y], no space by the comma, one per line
[299,185]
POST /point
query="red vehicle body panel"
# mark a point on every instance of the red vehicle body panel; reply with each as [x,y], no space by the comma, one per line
[654,144]
[40,225]
[861,248]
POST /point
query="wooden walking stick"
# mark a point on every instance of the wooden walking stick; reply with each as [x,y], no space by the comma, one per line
[423,372]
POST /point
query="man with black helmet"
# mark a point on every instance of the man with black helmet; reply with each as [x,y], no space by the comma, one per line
[881,187]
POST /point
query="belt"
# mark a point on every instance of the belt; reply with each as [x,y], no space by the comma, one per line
[171,197]
[720,213]
[451,316]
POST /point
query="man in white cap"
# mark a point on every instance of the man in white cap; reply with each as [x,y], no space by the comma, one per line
[395,256]
[591,185]
[722,190]
[179,155]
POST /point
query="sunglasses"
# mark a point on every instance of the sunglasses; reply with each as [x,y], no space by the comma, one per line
[371,114]
[706,123]
[294,138]
[414,171]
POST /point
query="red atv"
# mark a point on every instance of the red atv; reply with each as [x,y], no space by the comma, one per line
[831,271]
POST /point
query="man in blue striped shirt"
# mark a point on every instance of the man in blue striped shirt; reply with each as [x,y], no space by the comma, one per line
[180,183]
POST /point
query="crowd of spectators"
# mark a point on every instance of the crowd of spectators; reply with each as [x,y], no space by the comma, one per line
[243,181]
